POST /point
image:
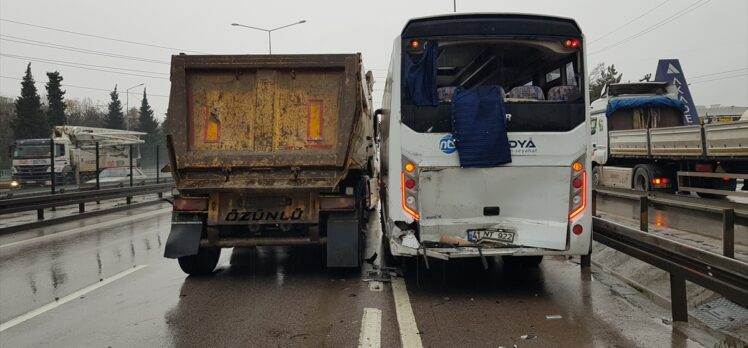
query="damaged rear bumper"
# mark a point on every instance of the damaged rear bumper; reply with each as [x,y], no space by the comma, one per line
[411,247]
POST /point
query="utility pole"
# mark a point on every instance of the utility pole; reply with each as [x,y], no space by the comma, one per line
[269,31]
[127,105]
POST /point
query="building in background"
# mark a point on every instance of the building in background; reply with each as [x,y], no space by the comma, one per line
[719,113]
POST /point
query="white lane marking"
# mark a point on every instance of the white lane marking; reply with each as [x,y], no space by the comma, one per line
[371,328]
[89,227]
[376,285]
[409,337]
[50,306]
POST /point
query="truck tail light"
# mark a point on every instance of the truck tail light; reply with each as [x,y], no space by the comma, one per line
[409,188]
[578,189]
[191,204]
[333,203]
[660,183]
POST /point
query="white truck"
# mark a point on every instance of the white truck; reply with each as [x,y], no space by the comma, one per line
[74,154]
[640,141]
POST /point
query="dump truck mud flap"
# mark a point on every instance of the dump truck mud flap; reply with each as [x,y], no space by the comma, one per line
[343,241]
[184,239]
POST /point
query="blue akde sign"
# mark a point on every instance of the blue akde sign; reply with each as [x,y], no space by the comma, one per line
[669,70]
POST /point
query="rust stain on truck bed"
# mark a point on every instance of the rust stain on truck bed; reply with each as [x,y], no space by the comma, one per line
[266,110]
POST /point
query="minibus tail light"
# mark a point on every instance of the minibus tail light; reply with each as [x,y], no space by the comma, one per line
[409,188]
[577,229]
[578,189]
[410,183]
[572,43]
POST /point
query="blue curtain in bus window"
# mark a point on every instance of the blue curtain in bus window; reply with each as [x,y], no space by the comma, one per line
[479,127]
[420,77]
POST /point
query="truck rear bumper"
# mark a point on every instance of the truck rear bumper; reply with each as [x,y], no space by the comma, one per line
[264,241]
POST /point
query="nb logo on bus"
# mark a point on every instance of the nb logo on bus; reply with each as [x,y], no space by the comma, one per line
[447,144]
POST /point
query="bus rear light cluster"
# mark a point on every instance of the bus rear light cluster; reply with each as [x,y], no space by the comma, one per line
[578,189]
[410,183]
[572,43]
[409,188]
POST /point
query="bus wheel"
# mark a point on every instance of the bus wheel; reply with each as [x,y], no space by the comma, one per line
[389,259]
[202,263]
[529,261]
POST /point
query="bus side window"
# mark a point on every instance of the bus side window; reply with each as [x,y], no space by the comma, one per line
[553,75]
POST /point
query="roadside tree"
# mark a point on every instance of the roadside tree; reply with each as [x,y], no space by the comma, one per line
[147,123]
[601,76]
[56,100]
[114,118]
[29,121]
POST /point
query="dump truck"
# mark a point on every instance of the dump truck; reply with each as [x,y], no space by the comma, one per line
[269,150]
[74,154]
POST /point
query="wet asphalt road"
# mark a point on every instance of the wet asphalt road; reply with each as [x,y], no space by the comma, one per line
[284,297]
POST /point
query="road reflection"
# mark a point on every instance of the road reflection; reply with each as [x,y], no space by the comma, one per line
[259,292]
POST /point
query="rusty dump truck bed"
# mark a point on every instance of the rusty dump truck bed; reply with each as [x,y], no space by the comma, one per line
[267,122]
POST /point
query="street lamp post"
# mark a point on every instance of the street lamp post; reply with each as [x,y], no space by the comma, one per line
[127,104]
[269,31]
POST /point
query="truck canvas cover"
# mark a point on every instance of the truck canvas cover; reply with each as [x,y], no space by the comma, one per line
[266,122]
[643,102]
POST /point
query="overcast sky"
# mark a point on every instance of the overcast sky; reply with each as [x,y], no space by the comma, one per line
[710,37]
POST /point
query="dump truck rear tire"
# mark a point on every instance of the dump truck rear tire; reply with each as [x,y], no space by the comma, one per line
[203,263]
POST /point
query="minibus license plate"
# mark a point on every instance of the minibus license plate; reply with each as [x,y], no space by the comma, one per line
[490,234]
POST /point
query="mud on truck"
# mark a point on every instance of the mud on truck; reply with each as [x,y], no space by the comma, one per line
[269,151]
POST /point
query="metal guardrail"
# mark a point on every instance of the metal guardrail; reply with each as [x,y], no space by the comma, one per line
[684,187]
[39,203]
[721,274]
[728,213]
[5,173]
[10,194]
[676,200]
